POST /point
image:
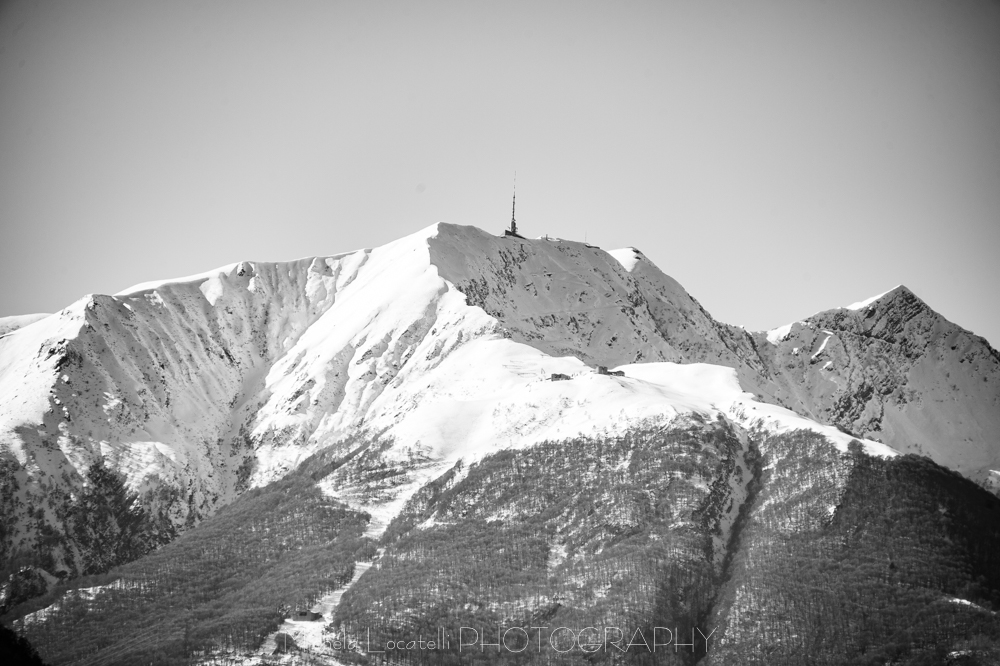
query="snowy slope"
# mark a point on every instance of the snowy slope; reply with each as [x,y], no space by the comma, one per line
[157,382]
[11,324]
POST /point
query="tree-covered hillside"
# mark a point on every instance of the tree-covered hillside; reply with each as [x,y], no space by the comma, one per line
[614,533]
[227,583]
[851,560]
[725,547]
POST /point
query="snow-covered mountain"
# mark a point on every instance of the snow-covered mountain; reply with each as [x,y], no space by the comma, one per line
[890,368]
[443,343]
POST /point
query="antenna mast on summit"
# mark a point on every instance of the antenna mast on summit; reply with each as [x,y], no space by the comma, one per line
[513,205]
[512,232]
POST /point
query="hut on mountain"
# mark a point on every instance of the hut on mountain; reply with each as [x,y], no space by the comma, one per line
[306,616]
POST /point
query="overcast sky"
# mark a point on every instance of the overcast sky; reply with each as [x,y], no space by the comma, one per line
[777,158]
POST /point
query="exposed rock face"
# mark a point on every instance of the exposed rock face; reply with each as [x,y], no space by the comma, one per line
[895,370]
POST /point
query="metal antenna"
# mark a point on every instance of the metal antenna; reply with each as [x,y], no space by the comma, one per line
[513,205]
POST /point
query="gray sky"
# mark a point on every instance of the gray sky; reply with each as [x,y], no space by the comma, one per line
[777,158]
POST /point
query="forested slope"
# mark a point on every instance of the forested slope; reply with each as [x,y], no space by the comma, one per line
[224,585]
[724,546]
[626,533]
[851,559]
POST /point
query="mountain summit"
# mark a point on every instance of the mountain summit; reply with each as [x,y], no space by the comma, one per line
[890,368]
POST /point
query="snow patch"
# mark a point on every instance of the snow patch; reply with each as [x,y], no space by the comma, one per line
[776,335]
[212,289]
[156,284]
[868,301]
[628,257]
[965,602]
[829,334]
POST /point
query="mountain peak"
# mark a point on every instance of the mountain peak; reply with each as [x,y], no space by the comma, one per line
[897,290]
[885,316]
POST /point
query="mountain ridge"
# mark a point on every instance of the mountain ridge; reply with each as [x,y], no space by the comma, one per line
[199,388]
[457,429]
